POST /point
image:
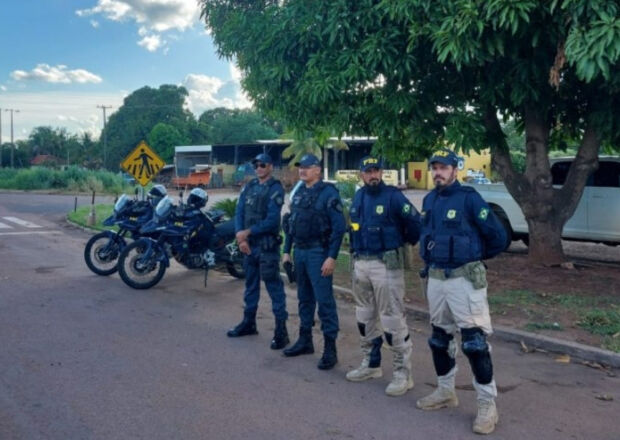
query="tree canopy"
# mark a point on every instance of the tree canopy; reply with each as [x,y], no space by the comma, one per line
[426,73]
[229,126]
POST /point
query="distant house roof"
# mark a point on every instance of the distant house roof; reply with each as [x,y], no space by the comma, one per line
[43,158]
[193,149]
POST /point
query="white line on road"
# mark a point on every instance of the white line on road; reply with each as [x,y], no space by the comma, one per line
[21,222]
[30,232]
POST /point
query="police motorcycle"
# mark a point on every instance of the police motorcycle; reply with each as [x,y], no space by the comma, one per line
[196,239]
[103,249]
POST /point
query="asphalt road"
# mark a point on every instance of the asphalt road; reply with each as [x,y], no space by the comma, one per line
[86,357]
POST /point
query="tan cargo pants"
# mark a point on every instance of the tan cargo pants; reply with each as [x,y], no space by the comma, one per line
[379,294]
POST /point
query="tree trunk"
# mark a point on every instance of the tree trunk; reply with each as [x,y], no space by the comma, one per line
[546,209]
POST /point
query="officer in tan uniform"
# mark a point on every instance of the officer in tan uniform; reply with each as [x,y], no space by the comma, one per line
[458,231]
[382,220]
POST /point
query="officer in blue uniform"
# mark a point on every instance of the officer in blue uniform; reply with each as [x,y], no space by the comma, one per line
[458,231]
[257,223]
[315,228]
[382,220]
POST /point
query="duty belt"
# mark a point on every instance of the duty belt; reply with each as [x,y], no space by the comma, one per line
[309,244]
[444,274]
[366,257]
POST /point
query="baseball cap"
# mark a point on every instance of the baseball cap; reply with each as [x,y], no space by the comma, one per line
[368,162]
[308,160]
[263,157]
[444,156]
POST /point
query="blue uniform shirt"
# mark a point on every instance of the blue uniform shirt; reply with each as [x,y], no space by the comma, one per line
[458,226]
[270,223]
[382,219]
[329,205]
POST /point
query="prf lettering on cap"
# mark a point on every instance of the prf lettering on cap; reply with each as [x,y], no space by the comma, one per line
[370,160]
[442,153]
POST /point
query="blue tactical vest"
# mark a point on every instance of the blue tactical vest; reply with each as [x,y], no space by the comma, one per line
[448,238]
[256,201]
[308,222]
[378,231]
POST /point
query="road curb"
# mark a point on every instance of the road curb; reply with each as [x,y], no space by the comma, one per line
[532,340]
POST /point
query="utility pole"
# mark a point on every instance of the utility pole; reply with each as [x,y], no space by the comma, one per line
[1,149]
[12,144]
[105,135]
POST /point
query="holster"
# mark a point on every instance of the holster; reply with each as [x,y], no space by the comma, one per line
[290,272]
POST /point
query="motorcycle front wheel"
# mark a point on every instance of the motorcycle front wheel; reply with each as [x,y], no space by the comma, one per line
[235,267]
[138,271]
[102,251]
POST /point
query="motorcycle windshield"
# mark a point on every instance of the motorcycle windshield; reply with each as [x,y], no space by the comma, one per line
[121,203]
[163,208]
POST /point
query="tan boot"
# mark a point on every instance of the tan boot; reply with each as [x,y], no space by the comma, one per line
[442,397]
[487,417]
[364,372]
[401,383]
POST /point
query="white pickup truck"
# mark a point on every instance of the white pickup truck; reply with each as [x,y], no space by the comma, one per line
[597,217]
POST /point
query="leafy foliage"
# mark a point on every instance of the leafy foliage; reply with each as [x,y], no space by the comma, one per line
[422,73]
[227,205]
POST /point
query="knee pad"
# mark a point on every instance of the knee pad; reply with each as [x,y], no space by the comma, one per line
[443,350]
[475,347]
[375,353]
[389,338]
[361,327]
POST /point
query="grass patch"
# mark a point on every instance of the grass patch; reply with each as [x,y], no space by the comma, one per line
[612,343]
[600,322]
[101,213]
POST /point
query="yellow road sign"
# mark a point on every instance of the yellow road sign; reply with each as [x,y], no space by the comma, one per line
[143,163]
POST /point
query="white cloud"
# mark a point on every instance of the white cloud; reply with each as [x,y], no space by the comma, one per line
[155,16]
[151,42]
[56,74]
[94,23]
[3,88]
[206,92]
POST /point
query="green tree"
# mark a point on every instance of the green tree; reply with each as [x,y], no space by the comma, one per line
[425,73]
[230,126]
[163,138]
[140,112]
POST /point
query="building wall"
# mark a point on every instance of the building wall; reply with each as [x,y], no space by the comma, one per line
[420,176]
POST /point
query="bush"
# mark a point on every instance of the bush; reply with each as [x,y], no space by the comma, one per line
[72,179]
[229,206]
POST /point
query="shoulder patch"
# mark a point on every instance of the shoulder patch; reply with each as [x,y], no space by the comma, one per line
[406,209]
[483,214]
[335,203]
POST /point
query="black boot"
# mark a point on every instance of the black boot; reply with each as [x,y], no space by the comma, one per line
[280,335]
[303,345]
[245,327]
[329,358]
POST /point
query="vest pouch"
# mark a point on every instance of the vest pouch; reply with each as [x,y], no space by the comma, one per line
[269,264]
[392,260]
[440,249]
[374,239]
[462,251]
[476,273]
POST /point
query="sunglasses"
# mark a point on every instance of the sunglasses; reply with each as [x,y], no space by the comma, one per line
[260,164]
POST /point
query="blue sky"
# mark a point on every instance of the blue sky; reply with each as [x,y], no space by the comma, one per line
[60,59]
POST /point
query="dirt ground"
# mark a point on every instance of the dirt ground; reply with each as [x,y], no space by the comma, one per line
[581,304]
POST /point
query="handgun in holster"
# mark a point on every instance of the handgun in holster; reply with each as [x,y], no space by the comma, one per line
[290,271]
